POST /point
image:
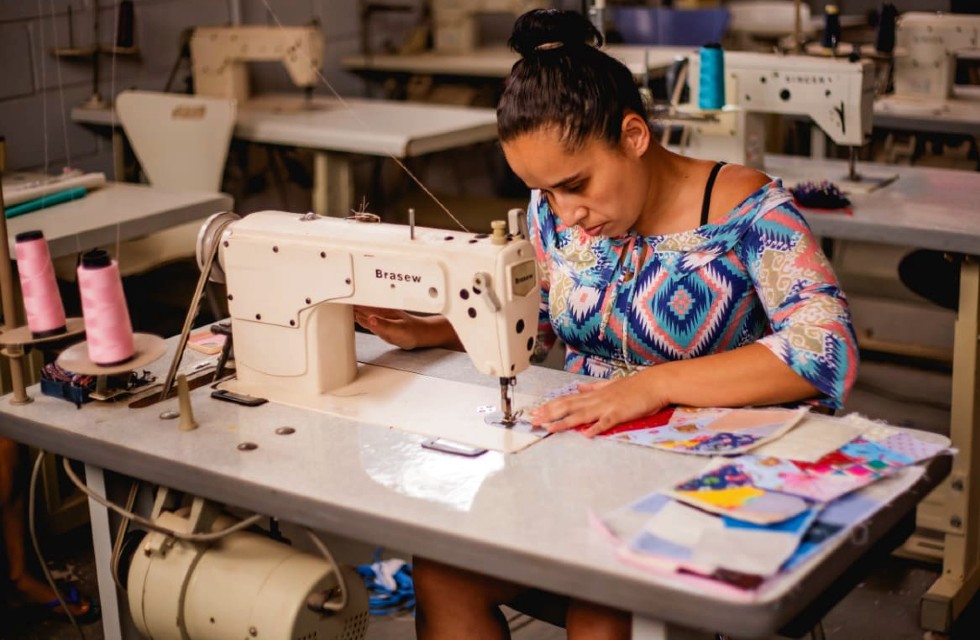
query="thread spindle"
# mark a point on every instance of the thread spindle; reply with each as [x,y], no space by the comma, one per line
[42,300]
[109,332]
[711,77]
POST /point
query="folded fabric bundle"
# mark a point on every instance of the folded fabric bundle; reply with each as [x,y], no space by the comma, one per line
[45,201]
[21,187]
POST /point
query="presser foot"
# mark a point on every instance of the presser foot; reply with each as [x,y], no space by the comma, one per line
[515,422]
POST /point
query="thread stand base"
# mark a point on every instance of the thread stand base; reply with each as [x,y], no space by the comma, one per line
[22,335]
[102,391]
[17,341]
[148,348]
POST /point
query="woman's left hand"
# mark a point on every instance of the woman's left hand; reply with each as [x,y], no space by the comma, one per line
[602,405]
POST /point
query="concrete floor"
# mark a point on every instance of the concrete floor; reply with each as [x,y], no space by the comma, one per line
[884,606]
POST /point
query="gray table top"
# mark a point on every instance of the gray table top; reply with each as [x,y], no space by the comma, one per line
[926,208]
[350,125]
[116,211]
[523,516]
[961,114]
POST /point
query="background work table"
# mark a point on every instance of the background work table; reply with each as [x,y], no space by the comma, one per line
[115,212]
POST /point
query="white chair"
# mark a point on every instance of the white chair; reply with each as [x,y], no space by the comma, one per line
[755,21]
[181,142]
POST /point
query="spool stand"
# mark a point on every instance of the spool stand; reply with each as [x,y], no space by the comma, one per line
[16,343]
[76,359]
[15,351]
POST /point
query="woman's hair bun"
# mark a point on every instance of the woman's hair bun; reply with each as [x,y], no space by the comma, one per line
[543,30]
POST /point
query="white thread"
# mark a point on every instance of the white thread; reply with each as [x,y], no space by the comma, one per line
[365,126]
[112,110]
[61,90]
[44,102]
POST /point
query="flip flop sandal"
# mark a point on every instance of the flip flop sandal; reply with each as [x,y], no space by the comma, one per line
[73,599]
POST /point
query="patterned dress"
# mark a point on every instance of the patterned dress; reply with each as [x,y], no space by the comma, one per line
[756,275]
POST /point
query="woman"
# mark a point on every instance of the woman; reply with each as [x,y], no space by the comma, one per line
[678,281]
[26,592]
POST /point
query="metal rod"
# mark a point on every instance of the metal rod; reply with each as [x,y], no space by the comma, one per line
[797,27]
[411,224]
[95,52]
[71,29]
[15,353]
[191,315]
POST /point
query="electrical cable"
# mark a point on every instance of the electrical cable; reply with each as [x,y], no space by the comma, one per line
[153,526]
[31,496]
[341,582]
[121,534]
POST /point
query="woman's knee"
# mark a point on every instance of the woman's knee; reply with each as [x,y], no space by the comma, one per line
[437,580]
[589,621]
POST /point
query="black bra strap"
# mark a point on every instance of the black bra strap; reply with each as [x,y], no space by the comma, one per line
[706,203]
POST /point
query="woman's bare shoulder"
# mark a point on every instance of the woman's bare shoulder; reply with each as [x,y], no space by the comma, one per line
[734,184]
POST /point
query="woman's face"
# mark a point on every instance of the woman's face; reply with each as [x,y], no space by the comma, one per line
[598,187]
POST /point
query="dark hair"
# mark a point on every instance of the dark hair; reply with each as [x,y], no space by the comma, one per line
[563,79]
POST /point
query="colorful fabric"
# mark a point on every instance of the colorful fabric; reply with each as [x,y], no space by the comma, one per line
[755,275]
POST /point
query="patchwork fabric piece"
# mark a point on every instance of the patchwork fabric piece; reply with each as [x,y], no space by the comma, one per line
[757,274]
[725,488]
[760,488]
[742,521]
[711,431]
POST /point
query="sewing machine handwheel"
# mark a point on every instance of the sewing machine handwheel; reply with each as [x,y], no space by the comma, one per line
[210,234]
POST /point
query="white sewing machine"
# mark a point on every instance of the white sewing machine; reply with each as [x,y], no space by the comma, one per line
[456,20]
[927,46]
[836,93]
[292,280]
[219,56]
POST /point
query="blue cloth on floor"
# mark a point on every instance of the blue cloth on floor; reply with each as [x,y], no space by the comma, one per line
[389,584]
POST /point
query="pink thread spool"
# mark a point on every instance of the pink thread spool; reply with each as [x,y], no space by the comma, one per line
[108,330]
[42,300]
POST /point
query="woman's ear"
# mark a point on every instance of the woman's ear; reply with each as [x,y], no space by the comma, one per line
[635,138]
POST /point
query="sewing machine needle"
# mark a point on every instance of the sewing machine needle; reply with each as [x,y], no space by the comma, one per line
[506,404]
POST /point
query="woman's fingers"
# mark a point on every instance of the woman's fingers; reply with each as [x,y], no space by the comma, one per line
[597,406]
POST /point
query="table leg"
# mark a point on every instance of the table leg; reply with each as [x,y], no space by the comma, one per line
[961,549]
[818,143]
[118,154]
[333,184]
[102,541]
[648,629]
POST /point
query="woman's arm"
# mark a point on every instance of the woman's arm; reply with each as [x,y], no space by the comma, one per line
[406,330]
[747,376]
[812,352]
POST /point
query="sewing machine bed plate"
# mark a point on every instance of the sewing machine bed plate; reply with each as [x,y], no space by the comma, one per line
[524,516]
[418,404]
